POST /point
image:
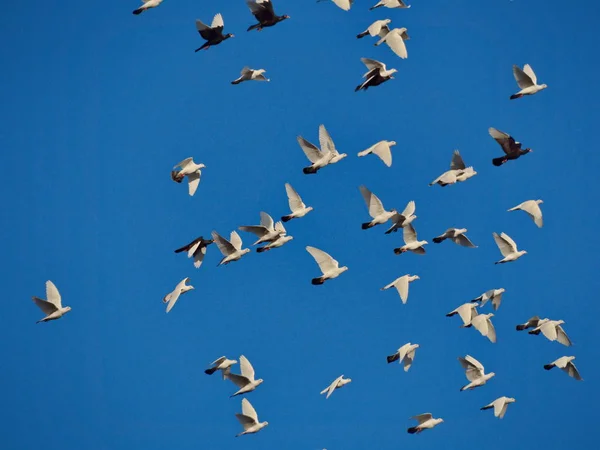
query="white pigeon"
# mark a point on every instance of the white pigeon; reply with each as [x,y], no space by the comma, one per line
[248,74]
[376,209]
[245,381]
[395,41]
[553,331]
[405,354]
[493,295]
[381,149]
[401,220]
[378,73]
[147,4]
[179,290]
[466,311]
[483,324]
[508,248]
[426,422]
[566,364]
[196,249]
[411,243]
[458,172]
[474,372]
[279,241]
[223,364]
[378,28]
[532,208]
[329,266]
[527,81]
[249,419]
[266,231]
[52,306]
[456,235]
[297,206]
[231,249]
[390,4]
[190,169]
[401,285]
[328,154]
[327,144]
[337,383]
[531,323]
[342,4]
[500,405]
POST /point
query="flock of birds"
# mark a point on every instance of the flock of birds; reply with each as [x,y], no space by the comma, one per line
[273,234]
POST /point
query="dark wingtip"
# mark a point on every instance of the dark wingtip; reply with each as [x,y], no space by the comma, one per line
[520,327]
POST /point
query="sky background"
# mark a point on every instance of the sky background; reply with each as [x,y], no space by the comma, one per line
[99,104]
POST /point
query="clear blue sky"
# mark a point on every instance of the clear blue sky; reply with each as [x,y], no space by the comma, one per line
[98,105]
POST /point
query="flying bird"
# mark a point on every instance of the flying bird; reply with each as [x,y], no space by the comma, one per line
[400,220]
[172,297]
[566,364]
[405,354]
[377,74]
[248,74]
[483,324]
[197,249]
[553,331]
[245,381]
[381,149]
[401,285]
[500,405]
[395,41]
[263,11]
[456,235]
[466,311]
[531,207]
[493,295]
[342,4]
[426,422]
[458,172]
[213,35]
[508,248]
[527,81]
[279,241]
[337,383]
[52,306]
[411,243]
[266,231]
[190,169]
[328,154]
[231,249]
[390,4]
[249,419]
[147,4]
[378,28]
[329,266]
[511,148]
[297,206]
[531,323]
[376,209]
[223,364]
[474,372]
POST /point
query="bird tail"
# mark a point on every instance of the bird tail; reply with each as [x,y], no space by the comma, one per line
[317,281]
[498,161]
[262,249]
[358,88]
[236,81]
[520,327]
[252,27]
[374,7]
[548,366]
[309,169]
[362,35]
[486,407]
[138,11]
[398,251]
[175,176]
[363,153]
[464,387]
[412,430]
[182,249]
[285,218]
[391,359]
[437,240]
[512,97]
[210,371]
[205,45]
[366,225]
[536,332]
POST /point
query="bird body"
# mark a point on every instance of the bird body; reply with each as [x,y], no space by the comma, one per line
[263,11]
[223,364]
[378,73]
[249,419]
[231,249]
[213,34]
[508,248]
[329,266]
[458,172]
[279,241]
[411,243]
[527,82]
[500,405]
[381,149]
[565,363]
[466,311]
[531,323]
[338,383]
[196,249]
[147,4]
[390,4]
[483,324]
[532,208]
[266,231]
[378,28]
[493,295]
[297,206]
[172,297]
[400,220]
[474,372]
[405,354]
[553,331]
[328,154]
[426,422]
[511,148]
[456,235]
[248,74]
[190,169]
[342,4]
[376,209]
[245,381]
[52,306]
[395,41]
[401,285]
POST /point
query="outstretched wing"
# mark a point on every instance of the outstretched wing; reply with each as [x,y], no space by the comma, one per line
[457,161]
[193,182]
[266,221]
[530,73]
[522,78]
[217,23]
[248,410]
[246,368]
[46,307]
[224,245]
[504,246]
[324,260]
[52,294]
[382,149]
[372,63]
[409,233]
[310,150]
[325,140]
[373,203]
[421,418]
[395,42]
[294,200]
[235,240]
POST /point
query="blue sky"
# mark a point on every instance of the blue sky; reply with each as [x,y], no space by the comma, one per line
[98,105]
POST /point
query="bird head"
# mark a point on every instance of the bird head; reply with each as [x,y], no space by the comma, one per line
[560,322]
[391,143]
[527,150]
[391,72]
[523,252]
[491,374]
[490,315]
[543,86]
[310,208]
[234,361]
[67,308]
[228,35]
[539,202]
[343,269]
[259,381]
[246,250]
[510,400]
[285,16]
[264,424]
[424,242]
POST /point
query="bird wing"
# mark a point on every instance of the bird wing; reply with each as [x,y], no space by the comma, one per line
[504,247]
[402,288]
[52,294]
[245,421]
[280,228]
[463,240]
[310,150]
[395,42]
[382,149]
[248,410]
[218,361]
[374,204]
[533,209]
[333,385]
[408,359]
[266,221]
[409,233]
[499,407]
[372,64]
[562,337]
[193,182]
[473,368]
[183,163]
[491,331]
[421,418]
[509,240]
[201,26]
[549,330]
[246,368]
[295,201]
[505,140]
[523,78]
[257,230]
[572,370]
[402,351]
[46,307]
[377,27]
[457,161]
[343,4]
[174,296]
[466,312]
[530,73]
[239,380]
[236,240]
[217,22]
[325,140]
[409,210]
[224,245]
[199,257]
[481,325]
[193,247]
[324,260]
